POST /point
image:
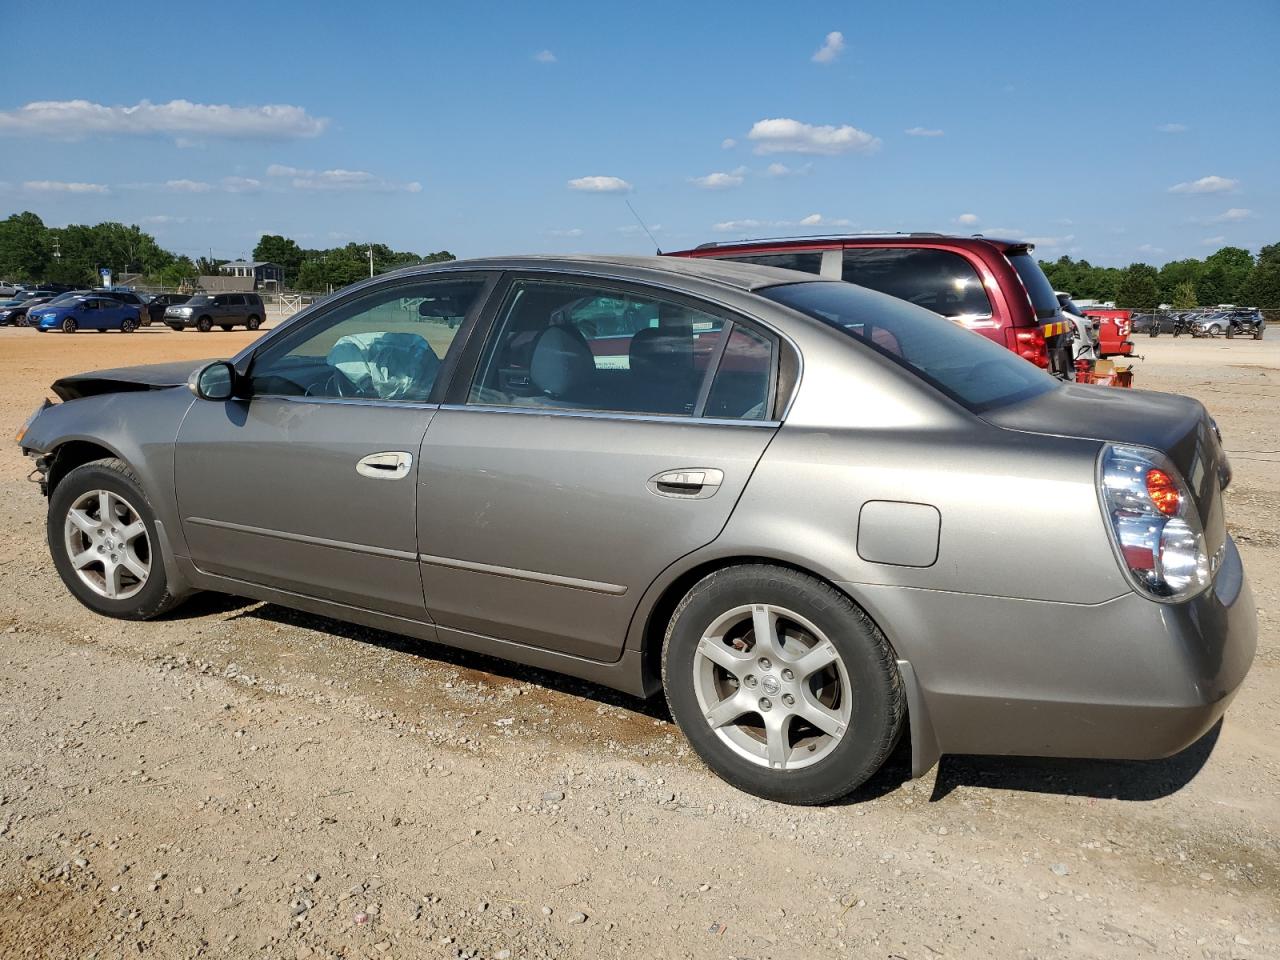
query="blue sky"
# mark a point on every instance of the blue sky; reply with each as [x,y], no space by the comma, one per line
[1115,131]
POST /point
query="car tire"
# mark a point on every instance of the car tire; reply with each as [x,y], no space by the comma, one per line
[1257,333]
[745,715]
[128,326]
[1213,331]
[253,323]
[176,327]
[69,325]
[227,327]
[204,324]
[118,549]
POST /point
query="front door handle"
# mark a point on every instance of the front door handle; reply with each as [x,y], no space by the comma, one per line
[385,466]
[693,483]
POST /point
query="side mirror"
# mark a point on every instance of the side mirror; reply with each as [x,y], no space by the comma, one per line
[215,381]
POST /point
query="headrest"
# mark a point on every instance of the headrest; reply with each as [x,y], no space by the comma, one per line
[561,362]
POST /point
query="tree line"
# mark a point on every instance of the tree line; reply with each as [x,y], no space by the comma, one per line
[1231,275]
[31,252]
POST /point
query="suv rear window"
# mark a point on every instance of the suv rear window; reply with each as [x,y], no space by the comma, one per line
[966,366]
[1038,287]
[938,280]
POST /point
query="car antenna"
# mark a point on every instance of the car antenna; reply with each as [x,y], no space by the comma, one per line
[642,226]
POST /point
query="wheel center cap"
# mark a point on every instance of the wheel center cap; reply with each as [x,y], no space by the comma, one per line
[770,685]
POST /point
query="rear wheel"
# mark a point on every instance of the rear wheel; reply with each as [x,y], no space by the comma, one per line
[253,323]
[69,325]
[102,534]
[204,324]
[782,684]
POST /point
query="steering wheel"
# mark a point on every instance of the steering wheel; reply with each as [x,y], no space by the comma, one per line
[337,384]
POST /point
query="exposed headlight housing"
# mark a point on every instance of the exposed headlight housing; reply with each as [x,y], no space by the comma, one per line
[1154,523]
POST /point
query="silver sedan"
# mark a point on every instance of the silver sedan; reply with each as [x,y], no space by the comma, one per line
[814,516]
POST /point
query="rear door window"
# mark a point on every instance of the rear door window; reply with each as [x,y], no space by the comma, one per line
[806,261]
[937,280]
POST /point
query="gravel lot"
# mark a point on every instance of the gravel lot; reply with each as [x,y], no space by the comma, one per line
[241,780]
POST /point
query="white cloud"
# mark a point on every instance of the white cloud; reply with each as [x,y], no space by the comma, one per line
[1149,248]
[1234,215]
[1211,184]
[241,184]
[1051,242]
[1173,128]
[188,186]
[1214,241]
[720,181]
[62,186]
[812,220]
[76,119]
[782,170]
[333,180]
[728,143]
[922,132]
[544,56]
[818,220]
[160,219]
[600,185]
[831,48]
[783,135]
[968,219]
[570,232]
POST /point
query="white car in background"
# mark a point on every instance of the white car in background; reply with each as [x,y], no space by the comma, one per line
[7,289]
[1085,346]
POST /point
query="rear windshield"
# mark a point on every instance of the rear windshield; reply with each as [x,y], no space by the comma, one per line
[965,365]
[1038,287]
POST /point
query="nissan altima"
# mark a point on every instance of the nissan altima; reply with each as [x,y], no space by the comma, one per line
[816,517]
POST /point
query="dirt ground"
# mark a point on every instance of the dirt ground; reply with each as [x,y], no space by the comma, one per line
[242,780]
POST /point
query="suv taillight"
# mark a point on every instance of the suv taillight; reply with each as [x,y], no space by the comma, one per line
[1028,343]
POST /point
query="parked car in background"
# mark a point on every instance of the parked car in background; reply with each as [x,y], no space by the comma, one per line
[816,516]
[157,305]
[130,298]
[204,311]
[1085,345]
[16,311]
[993,287]
[1114,328]
[90,312]
[7,289]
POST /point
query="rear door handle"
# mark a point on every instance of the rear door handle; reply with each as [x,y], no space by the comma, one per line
[693,483]
[391,465]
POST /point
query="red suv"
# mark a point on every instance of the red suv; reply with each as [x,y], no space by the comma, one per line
[994,287]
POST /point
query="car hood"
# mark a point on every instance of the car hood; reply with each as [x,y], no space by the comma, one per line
[153,376]
[1178,426]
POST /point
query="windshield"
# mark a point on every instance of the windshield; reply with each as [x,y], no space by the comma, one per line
[200,299]
[65,298]
[1038,287]
[964,365]
[1069,306]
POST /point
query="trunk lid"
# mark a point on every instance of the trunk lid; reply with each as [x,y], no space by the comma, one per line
[1177,426]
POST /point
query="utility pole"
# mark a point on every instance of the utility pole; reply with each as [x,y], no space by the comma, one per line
[371,260]
[57,249]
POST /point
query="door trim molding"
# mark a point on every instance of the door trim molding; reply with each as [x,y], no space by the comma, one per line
[515,573]
[303,538]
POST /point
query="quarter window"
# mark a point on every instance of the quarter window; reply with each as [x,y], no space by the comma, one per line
[938,280]
[578,347]
[388,344]
[740,390]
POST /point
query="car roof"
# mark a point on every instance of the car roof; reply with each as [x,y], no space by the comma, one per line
[739,276]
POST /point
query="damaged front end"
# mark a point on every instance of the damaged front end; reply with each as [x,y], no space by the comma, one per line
[43,461]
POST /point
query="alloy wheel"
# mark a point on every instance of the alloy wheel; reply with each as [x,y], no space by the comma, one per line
[772,686]
[108,545]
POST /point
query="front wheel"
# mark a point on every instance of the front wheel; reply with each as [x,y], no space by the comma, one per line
[1214,330]
[69,325]
[102,534]
[782,684]
[204,324]
[128,326]
[1257,332]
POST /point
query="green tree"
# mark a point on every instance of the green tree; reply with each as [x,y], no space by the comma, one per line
[24,247]
[1183,296]
[1138,288]
[273,248]
[1175,273]
[1261,288]
[1224,271]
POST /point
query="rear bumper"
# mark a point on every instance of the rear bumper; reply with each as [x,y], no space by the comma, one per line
[1125,679]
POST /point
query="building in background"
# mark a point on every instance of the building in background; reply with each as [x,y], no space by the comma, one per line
[261,272]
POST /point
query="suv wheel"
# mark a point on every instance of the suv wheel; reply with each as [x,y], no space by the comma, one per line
[102,534]
[204,324]
[1257,332]
[253,323]
[782,684]
[69,325]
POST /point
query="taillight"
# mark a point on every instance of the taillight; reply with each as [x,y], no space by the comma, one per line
[1028,343]
[1155,526]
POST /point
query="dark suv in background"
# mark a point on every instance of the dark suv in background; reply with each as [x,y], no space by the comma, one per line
[993,287]
[205,311]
